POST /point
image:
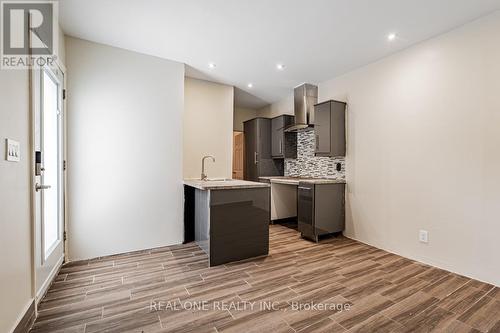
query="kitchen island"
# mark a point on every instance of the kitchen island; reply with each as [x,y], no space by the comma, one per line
[230,218]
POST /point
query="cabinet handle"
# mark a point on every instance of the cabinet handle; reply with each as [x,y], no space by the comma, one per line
[255,158]
[317,142]
[305,188]
[281,147]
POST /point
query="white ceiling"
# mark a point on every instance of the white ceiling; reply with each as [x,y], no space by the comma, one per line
[315,39]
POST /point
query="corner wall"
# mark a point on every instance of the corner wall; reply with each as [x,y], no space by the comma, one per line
[423,144]
[423,150]
[285,106]
[208,128]
[15,196]
[241,115]
[15,218]
[124,150]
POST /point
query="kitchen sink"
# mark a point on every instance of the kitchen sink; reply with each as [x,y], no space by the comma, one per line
[219,179]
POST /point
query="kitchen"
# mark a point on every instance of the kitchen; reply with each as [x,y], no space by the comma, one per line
[300,158]
[333,163]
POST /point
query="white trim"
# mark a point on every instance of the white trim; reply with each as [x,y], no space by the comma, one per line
[53,74]
[37,295]
[49,280]
[33,242]
[62,67]
[21,316]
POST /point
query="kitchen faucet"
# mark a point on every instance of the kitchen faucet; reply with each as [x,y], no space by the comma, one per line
[203,175]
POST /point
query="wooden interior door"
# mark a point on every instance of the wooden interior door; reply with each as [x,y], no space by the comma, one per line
[238,155]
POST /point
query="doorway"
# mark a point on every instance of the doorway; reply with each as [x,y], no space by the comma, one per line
[48,140]
[238,154]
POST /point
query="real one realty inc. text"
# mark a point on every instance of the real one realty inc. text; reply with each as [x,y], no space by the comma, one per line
[246,306]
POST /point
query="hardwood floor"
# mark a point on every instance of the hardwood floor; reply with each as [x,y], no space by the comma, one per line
[361,289]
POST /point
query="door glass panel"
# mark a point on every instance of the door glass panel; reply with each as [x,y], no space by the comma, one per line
[50,163]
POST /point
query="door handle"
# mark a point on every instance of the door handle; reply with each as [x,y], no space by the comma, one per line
[39,187]
[255,158]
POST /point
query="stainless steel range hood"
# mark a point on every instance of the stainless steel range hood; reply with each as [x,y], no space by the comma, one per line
[305,96]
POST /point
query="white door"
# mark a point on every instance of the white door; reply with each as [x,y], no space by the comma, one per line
[49,179]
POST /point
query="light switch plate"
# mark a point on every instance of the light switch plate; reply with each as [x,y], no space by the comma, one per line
[12,150]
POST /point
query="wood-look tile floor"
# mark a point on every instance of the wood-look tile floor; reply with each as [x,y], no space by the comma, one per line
[171,289]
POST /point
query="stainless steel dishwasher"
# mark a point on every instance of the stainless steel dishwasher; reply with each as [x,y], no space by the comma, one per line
[320,209]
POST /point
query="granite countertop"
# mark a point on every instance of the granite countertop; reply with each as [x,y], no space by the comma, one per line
[297,180]
[226,184]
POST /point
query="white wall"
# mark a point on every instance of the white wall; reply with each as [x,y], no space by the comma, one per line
[208,128]
[15,215]
[241,115]
[285,106]
[125,150]
[424,150]
[61,49]
[15,222]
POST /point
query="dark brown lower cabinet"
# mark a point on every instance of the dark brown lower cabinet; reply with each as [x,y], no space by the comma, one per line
[320,209]
[231,224]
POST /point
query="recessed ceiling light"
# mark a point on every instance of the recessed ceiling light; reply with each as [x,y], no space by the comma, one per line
[250,85]
[212,65]
[391,37]
[280,67]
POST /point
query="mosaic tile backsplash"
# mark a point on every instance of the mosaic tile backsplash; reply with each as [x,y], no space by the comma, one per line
[308,165]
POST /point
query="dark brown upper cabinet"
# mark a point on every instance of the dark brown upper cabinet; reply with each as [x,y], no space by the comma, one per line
[283,144]
[329,128]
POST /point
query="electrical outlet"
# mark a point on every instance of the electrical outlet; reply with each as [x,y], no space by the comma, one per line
[423,236]
[12,150]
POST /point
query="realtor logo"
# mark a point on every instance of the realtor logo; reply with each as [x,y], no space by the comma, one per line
[29,33]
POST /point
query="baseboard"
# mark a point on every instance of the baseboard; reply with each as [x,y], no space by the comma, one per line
[423,260]
[287,220]
[49,280]
[26,321]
